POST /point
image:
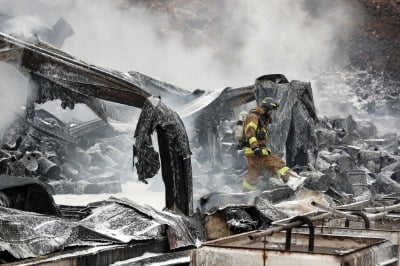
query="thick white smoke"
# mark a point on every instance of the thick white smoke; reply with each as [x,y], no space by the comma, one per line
[255,37]
[243,40]
[13,93]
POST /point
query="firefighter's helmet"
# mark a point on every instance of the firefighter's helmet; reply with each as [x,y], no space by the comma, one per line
[269,104]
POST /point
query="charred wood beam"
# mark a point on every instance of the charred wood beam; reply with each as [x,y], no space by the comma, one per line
[82,78]
[47,90]
[77,76]
[49,130]
[86,127]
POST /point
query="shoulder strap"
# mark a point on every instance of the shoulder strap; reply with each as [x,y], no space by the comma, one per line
[253,111]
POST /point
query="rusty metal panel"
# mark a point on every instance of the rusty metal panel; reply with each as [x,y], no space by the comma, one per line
[329,250]
[233,256]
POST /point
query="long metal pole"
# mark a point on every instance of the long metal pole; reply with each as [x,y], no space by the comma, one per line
[335,212]
[371,217]
[383,209]
[354,206]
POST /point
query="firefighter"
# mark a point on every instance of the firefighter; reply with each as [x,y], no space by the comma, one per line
[260,157]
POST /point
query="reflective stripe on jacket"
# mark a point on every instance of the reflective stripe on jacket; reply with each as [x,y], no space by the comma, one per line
[249,151]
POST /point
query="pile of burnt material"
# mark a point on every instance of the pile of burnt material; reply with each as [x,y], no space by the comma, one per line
[351,163]
[89,157]
[354,158]
[340,156]
[112,230]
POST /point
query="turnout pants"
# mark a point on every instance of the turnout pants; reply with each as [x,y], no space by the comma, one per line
[258,164]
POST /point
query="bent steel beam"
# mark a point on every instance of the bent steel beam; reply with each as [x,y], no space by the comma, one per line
[51,66]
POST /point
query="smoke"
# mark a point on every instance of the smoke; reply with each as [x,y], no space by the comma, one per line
[13,93]
[196,45]
[199,44]
[284,38]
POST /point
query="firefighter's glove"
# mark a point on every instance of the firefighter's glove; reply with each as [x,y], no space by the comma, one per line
[260,135]
[266,151]
[257,151]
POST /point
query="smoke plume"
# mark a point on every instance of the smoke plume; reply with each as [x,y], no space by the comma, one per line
[13,93]
[224,43]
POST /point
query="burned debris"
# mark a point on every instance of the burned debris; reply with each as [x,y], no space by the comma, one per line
[343,162]
[174,153]
[56,75]
[27,194]
[91,157]
[61,155]
[112,223]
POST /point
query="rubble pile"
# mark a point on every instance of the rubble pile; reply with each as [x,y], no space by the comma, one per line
[331,152]
[351,163]
[342,161]
[57,75]
[355,158]
[76,158]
